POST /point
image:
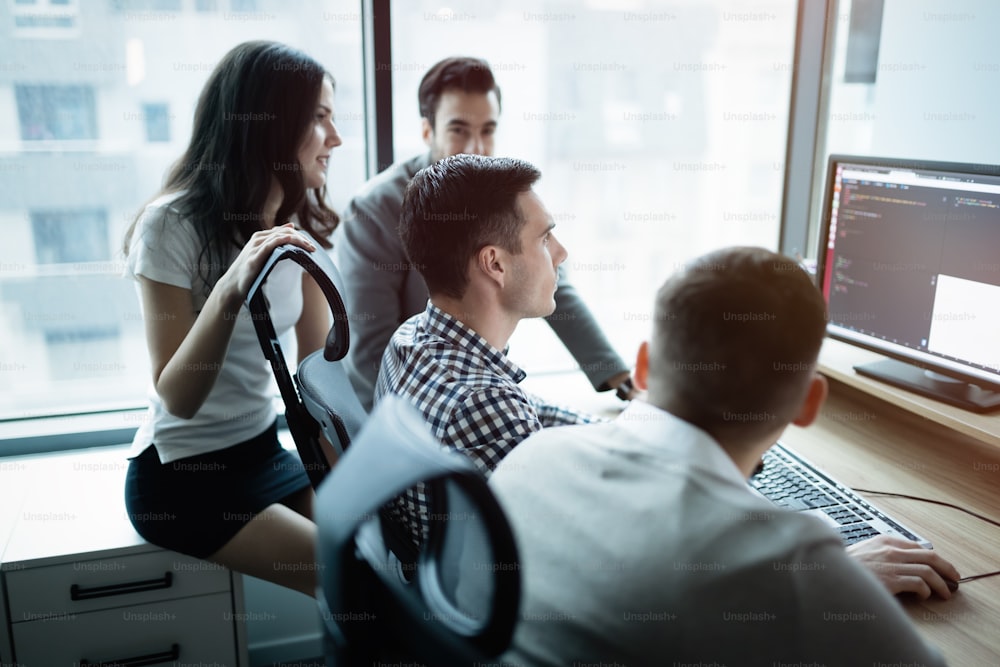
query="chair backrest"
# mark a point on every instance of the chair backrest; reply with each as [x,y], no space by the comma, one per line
[325,401]
[460,607]
[328,396]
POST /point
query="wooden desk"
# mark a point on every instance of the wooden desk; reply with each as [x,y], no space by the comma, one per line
[867,442]
[837,361]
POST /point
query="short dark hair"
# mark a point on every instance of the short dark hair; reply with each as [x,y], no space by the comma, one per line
[736,336]
[470,75]
[455,207]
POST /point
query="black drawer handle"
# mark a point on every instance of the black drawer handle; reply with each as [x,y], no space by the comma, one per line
[139,660]
[77,592]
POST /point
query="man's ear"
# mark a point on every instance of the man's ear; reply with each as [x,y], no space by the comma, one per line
[818,389]
[491,263]
[641,373]
[426,131]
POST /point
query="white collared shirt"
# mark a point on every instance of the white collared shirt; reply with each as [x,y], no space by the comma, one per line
[641,544]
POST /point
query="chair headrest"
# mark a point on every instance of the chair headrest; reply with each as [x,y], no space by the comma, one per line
[322,269]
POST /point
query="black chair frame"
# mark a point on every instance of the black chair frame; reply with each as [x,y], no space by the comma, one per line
[304,428]
[357,584]
[320,398]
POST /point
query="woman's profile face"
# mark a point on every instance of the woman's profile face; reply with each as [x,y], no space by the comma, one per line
[320,139]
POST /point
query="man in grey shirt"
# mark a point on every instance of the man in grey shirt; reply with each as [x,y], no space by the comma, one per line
[640,541]
[460,107]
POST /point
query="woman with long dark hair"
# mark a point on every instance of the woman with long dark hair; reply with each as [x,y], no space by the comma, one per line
[207,475]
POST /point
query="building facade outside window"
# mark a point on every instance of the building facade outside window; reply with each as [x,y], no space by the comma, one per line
[56,112]
[86,136]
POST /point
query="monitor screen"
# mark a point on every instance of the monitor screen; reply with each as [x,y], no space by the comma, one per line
[909,263]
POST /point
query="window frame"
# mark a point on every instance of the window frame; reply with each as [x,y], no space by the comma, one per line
[815,32]
[33,435]
[40,434]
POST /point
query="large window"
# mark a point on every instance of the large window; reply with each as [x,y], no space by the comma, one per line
[910,79]
[88,126]
[659,127]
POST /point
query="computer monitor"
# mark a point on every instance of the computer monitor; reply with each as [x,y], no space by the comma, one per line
[909,263]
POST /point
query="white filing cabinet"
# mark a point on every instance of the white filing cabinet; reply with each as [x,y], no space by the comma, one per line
[80,587]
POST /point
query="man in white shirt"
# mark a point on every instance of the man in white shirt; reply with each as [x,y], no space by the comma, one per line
[640,541]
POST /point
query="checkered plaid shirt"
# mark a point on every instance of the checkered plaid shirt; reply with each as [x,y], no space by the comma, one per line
[468,393]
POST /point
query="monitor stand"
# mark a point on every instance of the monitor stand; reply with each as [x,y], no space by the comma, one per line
[933,385]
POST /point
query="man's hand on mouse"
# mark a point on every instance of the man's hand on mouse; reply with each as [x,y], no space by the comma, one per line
[904,566]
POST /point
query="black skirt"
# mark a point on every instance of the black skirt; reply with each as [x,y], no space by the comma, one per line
[197,504]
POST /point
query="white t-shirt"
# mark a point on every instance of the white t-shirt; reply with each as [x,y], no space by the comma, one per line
[165,247]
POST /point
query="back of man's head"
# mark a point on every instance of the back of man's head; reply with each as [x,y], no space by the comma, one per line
[470,75]
[455,207]
[735,340]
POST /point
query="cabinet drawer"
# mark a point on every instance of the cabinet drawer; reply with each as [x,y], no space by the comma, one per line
[88,585]
[201,628]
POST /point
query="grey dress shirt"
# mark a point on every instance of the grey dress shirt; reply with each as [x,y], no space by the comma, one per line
[641,544]
[384,290]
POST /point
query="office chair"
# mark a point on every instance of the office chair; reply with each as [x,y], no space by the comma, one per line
[325,400]
[321,398]
[461,606]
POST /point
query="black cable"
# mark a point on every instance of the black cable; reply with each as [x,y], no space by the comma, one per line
[931,500]
[978,576]
[943,504]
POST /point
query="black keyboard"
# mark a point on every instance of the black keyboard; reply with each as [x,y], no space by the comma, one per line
[789,480]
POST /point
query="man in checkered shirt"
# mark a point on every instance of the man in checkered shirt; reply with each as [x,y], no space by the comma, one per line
[482,240]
